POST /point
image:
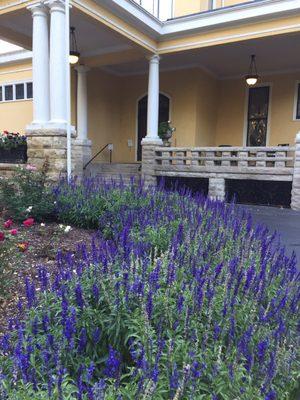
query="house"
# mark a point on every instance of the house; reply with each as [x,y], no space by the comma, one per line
[148,61]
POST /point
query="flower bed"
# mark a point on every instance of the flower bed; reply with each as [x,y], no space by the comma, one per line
[13,148]
[178,298]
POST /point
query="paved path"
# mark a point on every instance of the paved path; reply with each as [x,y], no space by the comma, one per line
[284,221]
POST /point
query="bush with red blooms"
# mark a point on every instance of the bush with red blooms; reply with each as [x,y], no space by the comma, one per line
[28,222]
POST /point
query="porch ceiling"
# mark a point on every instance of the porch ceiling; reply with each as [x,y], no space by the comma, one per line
[274,54]
[94,38]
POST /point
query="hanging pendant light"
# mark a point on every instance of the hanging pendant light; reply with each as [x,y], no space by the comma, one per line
[74,53]
[252,76]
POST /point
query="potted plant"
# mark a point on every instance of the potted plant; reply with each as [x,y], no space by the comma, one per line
[165,132]
[13,148]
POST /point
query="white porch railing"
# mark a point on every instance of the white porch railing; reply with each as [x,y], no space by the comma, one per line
[263,163]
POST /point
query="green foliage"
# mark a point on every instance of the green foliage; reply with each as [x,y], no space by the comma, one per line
[26,194]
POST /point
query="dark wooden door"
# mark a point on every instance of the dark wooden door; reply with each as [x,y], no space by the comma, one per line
[164,115]
[258,110]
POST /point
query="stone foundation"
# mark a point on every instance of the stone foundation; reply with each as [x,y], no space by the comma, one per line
[148,161]
[51,145]
[295,204]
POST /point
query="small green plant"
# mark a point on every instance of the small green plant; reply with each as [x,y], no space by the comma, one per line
[165,130]
[26,194]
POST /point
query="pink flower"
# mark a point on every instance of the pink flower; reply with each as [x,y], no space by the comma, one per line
[2,236]
[14,232]
[28,222]
[31,167]
[8,223]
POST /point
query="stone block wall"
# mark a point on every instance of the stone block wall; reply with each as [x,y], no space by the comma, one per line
[51,145]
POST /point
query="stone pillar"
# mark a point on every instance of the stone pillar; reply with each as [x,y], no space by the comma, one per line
[295,204]
[58,60]
[216,188]
[40,65]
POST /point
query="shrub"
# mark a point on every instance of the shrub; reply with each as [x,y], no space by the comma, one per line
[27,194]
[211,314]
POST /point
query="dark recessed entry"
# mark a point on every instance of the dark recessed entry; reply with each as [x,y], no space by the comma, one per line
[195,185]
[271,193]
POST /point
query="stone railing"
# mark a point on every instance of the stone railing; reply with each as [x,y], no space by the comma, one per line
[265,163]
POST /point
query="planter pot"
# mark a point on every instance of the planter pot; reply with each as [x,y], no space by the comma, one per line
[16,155]
[166,138]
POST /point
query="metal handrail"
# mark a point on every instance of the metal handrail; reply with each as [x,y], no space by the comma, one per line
[99,152]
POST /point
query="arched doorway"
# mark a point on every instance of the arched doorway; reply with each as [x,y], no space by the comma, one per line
[164,115]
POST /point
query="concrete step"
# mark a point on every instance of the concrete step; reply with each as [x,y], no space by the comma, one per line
[116,172]
[117,168]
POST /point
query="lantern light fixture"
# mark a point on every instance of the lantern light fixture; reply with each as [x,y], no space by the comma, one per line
[74,53]
[252,76]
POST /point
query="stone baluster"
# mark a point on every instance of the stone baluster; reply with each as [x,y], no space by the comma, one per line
[210,155]
[242,155]
[224,162]
[280,154]
[262,163]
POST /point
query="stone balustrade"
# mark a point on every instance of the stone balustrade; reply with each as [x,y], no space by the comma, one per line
[277,161]
[221,163]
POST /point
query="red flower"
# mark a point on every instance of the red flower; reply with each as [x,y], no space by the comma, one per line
[23,246]
[14,232]
[2,236]
[28,222]
[8,223]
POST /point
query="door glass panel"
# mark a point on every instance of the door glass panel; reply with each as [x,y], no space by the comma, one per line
[258,109]
[1,95]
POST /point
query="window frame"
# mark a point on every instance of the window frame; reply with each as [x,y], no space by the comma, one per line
[296,102]
[14,84]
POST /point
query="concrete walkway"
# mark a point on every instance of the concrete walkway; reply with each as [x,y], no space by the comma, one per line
[284,221]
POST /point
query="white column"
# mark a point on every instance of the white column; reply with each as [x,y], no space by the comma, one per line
[58,111]
[82,102]
[40,65]
[153,101]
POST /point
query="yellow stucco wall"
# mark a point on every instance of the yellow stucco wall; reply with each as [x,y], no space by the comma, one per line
[232,110]
[15,115]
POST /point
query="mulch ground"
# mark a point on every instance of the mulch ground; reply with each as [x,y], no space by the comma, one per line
[43,244]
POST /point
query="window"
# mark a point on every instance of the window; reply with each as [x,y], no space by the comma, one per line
[9,92]
[258,110]
[16,91]
[162,9]
[29,90]
[20,91]
[297,113]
